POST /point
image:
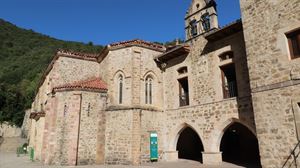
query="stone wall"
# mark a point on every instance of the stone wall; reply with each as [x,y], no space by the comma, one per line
[152,121]
[118,137]
[204,73]
[134,64]
[91,114]
[36,137]
[209,121]
[273,75]
[8,131]
[71,129]
[26,124]
[64,71]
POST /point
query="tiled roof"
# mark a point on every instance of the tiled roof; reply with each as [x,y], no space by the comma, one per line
[137,42]
[177,51]
[95,84]
[79,55]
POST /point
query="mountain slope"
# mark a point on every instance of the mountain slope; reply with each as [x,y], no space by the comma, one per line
[24,55]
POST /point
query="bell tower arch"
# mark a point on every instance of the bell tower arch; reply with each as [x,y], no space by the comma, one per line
[200,18]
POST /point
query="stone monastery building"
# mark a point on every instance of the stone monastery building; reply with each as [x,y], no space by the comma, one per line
[226,94]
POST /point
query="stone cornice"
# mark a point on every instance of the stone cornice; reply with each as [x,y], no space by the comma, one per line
[275,86]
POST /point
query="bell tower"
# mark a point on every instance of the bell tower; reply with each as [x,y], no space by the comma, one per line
[200,18]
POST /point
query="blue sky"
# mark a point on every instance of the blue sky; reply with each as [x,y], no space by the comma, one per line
[106,21]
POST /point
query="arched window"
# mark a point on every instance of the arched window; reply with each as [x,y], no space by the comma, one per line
[120,83]
[148,90]
[193,25]
[205,22]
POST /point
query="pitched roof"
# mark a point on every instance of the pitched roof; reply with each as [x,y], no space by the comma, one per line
[78,55]
[137,42]
[92,84]
[98,57]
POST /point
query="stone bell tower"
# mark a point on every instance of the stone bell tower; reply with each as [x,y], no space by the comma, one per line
[200,18]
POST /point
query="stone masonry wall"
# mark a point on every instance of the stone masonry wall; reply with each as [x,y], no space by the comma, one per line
[72,128]
[209,121]
[152,121]
[204,73]
[273,75]
[67,125]
[92,107]
[128,135]
[118,137]
[275,112]
[134,63]
[209,114]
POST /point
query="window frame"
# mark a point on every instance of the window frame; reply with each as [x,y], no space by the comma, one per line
[120,89]
[225,84]
[183,93]
[148,90]
[293,39]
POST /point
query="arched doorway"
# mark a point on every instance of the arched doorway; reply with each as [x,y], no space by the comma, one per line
[240,146]
[189,145]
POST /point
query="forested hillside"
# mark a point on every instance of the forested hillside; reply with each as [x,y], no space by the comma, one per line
[24,55]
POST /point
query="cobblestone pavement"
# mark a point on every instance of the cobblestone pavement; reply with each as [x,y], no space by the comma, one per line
[10,160]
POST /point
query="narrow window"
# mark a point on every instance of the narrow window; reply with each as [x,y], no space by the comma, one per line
[148,90]
[65,110]
[120,89]
[294,43]
[229,81]
[88,109]
[193,25]
[205,22]
[183,92]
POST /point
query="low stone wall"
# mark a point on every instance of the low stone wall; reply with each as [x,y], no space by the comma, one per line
[8,131]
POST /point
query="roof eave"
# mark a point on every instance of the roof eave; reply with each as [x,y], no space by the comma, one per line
[178,51]
[226,31]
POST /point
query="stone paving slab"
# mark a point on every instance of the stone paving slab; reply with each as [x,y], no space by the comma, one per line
[10,160]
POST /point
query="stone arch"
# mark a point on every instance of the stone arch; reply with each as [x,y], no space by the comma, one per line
[187,143]
[217,134]
[151,74]
[225,125]
[239,145]
[174,136]
[118,73]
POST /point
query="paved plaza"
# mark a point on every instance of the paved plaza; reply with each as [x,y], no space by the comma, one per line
[10,160]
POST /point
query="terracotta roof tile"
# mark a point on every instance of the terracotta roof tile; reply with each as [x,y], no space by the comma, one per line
[138,42]
[69,53]
[89,84]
